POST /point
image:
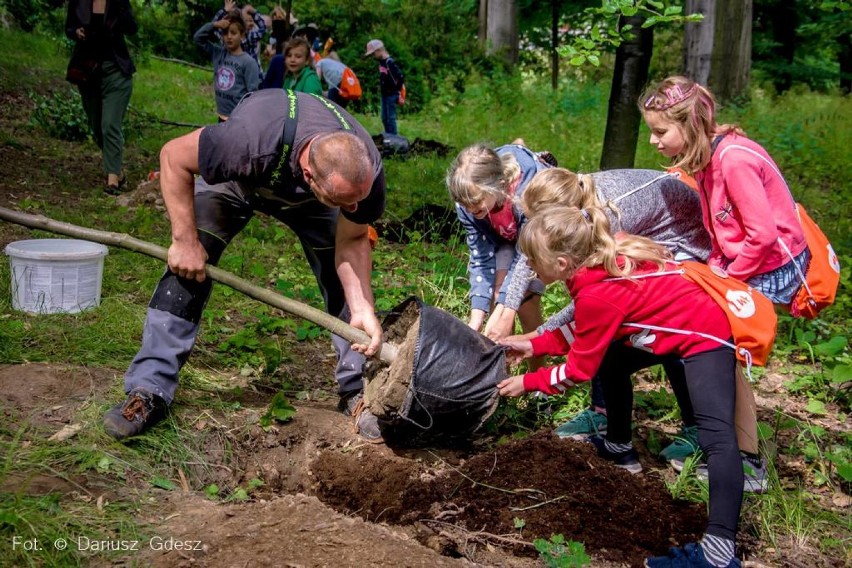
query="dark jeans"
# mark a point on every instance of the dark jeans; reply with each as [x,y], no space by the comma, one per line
[677,379]
[711,384]
[174,312]
[105,101]
[389,113]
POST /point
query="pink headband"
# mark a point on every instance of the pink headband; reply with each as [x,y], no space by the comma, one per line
[674,95]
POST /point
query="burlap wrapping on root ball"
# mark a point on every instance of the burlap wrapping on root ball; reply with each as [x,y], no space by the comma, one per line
[442,384]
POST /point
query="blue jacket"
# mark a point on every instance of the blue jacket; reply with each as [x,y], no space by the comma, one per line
[483,240]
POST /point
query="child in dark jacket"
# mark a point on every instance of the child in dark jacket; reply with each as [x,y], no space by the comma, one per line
[390,79]
[619,287]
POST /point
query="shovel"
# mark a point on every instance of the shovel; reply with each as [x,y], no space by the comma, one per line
[441,384]
[387,352]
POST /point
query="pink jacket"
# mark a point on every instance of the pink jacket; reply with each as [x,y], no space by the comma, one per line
[746,206]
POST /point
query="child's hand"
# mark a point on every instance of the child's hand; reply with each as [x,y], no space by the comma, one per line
[230,5]
[520,348]
[222,24]
[513,386]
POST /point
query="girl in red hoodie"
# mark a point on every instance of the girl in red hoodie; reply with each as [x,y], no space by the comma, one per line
[748,210]
[619,287]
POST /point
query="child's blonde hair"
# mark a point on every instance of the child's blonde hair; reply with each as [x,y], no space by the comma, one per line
[583,237]
[692,107]
[479,170]
[559,186]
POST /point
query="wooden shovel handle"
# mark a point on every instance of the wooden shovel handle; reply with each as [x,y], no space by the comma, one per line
[387,352]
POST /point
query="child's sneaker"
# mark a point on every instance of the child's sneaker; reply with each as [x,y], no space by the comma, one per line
[683,446]
[755,479]
[585,424]
[690,556]
[628,459]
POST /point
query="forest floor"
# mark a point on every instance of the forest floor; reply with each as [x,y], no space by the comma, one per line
[328,498]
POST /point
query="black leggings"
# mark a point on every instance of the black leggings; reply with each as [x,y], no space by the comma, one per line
[711,382]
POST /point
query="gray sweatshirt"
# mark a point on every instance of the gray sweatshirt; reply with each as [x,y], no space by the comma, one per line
[233,75]
[653,204]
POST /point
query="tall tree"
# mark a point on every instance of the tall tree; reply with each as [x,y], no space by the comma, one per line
[501,28]
[632,59]
[717,50]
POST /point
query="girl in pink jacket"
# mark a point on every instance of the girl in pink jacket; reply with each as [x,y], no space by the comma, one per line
[635,309]
[746,205]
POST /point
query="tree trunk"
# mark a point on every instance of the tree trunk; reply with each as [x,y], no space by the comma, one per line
[844,57]
[784,20]
[502,30]
[555,5]
[717,50]
[731,66]
[632,59]
[698,40]
[483,23]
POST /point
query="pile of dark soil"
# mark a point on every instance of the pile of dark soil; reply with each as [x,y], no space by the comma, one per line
[556,486]
[431,222]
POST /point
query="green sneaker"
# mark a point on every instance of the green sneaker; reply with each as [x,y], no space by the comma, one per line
[755,477]
[683,446]
[585,424]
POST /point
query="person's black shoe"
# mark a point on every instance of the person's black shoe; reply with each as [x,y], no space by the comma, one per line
[628,459]
[141,410]
[116,188]
[366,424]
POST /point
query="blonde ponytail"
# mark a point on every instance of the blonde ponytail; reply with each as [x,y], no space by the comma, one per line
[583,237]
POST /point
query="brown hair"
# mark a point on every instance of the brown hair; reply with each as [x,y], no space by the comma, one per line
[235,17]
[295,42]
[692,107]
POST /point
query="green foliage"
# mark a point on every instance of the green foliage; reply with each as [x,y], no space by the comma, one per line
[606,30]
[280,410]
[556,553]
[60,114]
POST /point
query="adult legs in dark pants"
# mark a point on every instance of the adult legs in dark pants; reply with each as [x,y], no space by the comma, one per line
[174,312]
[711,383]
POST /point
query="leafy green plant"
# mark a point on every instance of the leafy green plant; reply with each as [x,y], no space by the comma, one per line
[60,114]
[280,410]
[557,553]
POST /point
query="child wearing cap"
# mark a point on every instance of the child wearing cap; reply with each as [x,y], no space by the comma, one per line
[390,79]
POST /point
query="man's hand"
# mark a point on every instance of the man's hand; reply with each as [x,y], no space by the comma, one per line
[520,348]
[501,323]
[369,323]
[222,24]
[513,386]
[81,33]
[230,5]
[188,260]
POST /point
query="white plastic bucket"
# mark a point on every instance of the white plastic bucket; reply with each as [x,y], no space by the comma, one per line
[52,276]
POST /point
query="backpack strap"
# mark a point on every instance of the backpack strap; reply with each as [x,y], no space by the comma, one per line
[790,193]
[744,352]
[282,170]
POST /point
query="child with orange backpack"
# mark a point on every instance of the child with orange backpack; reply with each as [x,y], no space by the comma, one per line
[755,231]
[635,308]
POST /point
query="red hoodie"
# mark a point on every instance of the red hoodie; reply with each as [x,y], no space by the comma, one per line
[603,304]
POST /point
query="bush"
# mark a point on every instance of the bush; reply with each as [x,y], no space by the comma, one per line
[60,114]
